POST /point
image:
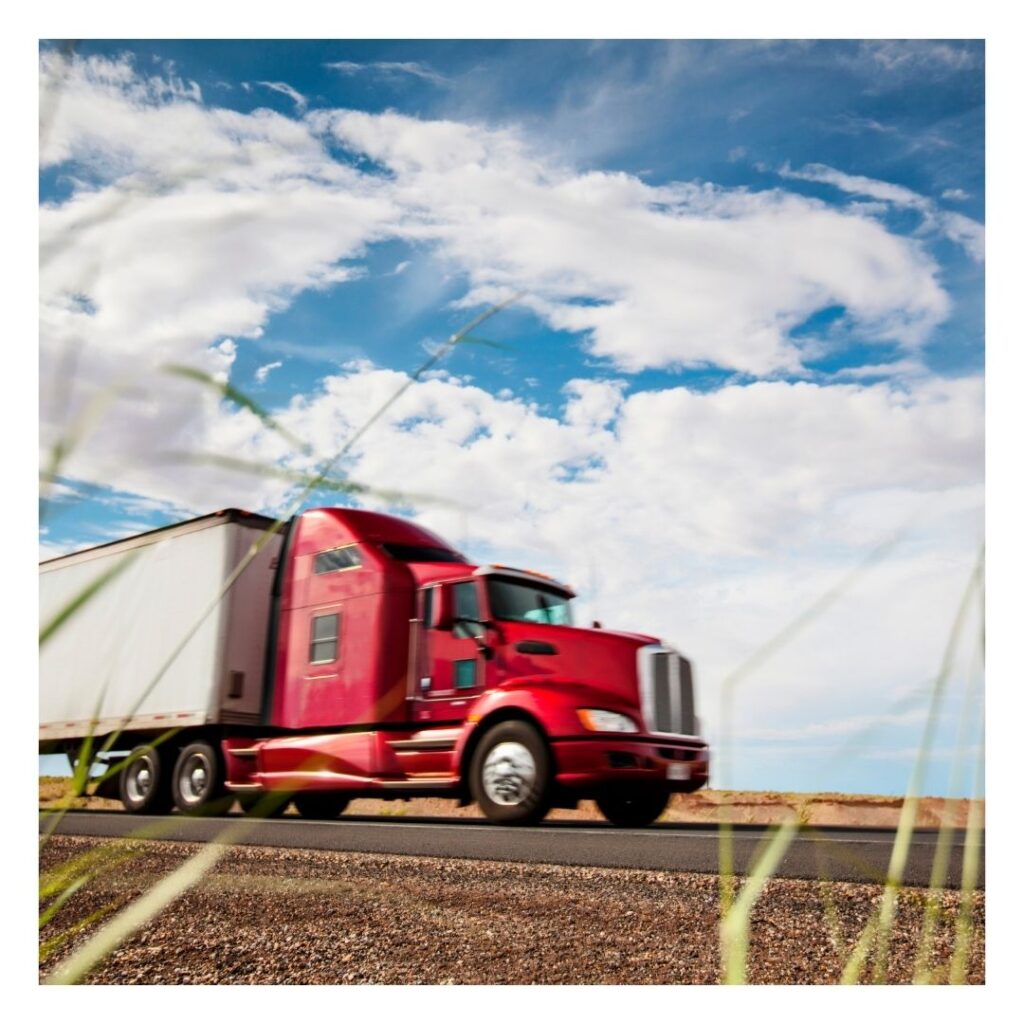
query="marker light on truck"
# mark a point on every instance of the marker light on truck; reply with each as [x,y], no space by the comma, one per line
[605,721]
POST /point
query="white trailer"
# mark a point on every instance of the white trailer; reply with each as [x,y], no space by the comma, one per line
[157,647]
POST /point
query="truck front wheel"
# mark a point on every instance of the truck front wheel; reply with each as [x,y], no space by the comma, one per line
[510,774]
[144,782]
[197,782]
[633,806]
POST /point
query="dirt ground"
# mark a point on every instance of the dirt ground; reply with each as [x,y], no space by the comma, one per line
[267,916]
[756,808]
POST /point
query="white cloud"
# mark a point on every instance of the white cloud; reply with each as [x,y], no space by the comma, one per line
[917,56]
[285,89]
[957,195]
[654,276]
[390,68]
[262,372]
[967,233]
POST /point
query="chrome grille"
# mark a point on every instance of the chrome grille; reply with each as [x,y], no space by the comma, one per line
[666,691]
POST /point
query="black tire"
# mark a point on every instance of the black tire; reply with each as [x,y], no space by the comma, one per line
[633,806]
[264,805]
[324,804]
[510,774]
[144,783]
[197,783]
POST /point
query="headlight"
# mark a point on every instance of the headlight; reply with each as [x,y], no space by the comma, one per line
[605,721]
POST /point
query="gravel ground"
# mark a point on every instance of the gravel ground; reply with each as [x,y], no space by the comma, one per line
[269,916]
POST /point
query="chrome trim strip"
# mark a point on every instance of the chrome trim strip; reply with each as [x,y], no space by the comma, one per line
[445,782]
[675,712]
[648,699]
[433,744]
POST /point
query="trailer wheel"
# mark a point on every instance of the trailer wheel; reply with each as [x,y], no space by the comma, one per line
[633,806]
[324,804]
[510,774]
[144,783]
[197,783]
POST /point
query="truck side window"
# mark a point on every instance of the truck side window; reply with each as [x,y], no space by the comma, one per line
[339,558]
[323,640]
[467,606]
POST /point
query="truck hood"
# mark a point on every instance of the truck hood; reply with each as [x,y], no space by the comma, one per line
[599,659]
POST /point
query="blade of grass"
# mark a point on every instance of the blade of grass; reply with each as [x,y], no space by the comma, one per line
[854,967]
[908,813]
[728,689]
[735,928]
[82,425]
[62,897]
[343,486]
[230,393]
[50,946]
[944,843]
[969,879]
[137,914]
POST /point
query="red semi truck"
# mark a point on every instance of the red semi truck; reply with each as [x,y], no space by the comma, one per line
[354,654]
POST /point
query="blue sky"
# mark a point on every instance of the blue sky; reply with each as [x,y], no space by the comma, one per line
[750,344]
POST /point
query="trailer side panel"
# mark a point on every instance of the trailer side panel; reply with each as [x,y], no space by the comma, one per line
[154,647]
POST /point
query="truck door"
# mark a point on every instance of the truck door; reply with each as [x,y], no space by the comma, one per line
[452,671]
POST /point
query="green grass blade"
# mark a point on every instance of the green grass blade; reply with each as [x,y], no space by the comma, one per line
[62,897]
[230,393]
[306,480]
[50,946]
[735,927]
[731,682]
[854,967]
[944,843]
[135,916]
[969,880]
[908,813]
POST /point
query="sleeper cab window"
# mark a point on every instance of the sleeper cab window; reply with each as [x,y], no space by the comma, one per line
[337,559]
[323,639]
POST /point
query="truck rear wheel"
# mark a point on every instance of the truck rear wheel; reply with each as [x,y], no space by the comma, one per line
[324,805]
[510,774]
[197,782]
[633,806]
[144,783]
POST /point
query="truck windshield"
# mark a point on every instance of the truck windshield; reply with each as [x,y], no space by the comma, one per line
[519,601]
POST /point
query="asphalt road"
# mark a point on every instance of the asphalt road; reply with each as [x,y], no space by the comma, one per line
[853,855]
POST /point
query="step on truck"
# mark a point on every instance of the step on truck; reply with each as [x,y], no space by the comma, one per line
[351,654]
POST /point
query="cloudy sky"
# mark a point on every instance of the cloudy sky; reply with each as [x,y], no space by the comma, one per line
[748,349]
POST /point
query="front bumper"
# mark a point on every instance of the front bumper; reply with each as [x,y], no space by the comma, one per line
[589,763]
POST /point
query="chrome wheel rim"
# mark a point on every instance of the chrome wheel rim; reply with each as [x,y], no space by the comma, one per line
[509,773]
[193,780]
[139,780]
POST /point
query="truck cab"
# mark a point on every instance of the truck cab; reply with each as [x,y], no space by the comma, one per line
[400,668]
